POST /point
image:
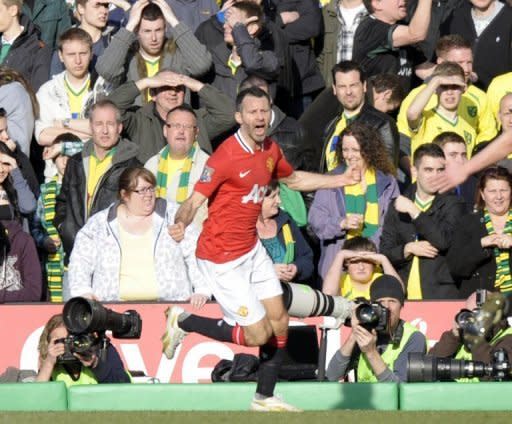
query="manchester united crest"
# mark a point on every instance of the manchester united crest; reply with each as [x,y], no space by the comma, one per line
[270,164]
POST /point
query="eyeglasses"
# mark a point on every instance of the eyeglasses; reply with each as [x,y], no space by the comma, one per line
[145,191]
[178,126]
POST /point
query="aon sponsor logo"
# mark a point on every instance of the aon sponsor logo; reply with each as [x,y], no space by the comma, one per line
[256,194]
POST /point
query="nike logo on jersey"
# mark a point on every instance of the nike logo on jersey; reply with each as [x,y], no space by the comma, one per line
[244,174]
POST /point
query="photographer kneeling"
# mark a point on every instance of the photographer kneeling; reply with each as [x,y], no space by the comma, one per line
[56,362]
[379,353]
[497,338]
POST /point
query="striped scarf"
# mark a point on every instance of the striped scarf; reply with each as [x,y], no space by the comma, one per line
[359,202]
[502,256]
[54,261]
[161,175]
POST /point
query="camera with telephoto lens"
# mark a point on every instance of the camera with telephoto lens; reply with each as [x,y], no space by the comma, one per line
[428,368]
[372,316]
[87,321]
[468,320]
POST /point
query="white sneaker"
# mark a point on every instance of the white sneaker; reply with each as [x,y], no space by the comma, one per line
[173,334]
[272,404]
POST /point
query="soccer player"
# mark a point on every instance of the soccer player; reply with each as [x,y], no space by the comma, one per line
[448,83]
[232,260]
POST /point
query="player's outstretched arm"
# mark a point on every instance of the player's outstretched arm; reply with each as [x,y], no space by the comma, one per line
[185,215]
[309,181]
[495,151]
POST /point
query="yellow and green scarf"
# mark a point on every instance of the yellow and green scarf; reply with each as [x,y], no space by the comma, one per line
[289,243]
[502,256]
[55,261]
[414,291]
[363,203]
[161,175]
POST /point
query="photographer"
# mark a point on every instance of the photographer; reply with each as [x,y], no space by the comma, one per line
[379,355]
[451,344]
[87,369]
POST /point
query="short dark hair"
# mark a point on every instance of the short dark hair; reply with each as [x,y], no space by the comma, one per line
[491,173]
[346,66]
[448,137]
[360,244]
[182,108]
[152,12]
[451,42]
[428,149]
[3,113]
[383,82]
[74,34]
[250,8]
[102,103]
[251,91]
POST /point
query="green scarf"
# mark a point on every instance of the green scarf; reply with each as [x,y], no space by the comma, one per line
[502,256]
[54,261]
[364,203]
[161,175]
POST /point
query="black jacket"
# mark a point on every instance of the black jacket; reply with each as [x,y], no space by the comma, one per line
[289,134]
[71,209]
[29,55]
[474,265]
[299,35]
[375,119]
[211,34]
[437,226]
[492,51]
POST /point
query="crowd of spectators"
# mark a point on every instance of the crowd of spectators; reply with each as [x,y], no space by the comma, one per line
[109,110]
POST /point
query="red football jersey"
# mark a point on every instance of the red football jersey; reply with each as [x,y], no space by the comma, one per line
[235,179]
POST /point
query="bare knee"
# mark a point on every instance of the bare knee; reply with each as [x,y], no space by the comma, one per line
[258,334]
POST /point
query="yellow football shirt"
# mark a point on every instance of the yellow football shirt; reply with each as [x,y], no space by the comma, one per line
[76,96]
[152,68]
[499,87]
[434,123]
[97,169]
[473,108]
[350,292]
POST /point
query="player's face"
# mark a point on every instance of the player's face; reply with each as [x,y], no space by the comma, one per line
[76,56]
[349,90]
[94,13]
[496,195]
[151,36]
[352,152]
[360,271]
[270,205]
[455,153]
[450,95]
[105,128]
[505,113]
[254,118]
[463,57]
[180,132]
[394,307]
[426,172]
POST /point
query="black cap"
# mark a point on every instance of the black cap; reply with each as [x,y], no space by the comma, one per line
[387,286]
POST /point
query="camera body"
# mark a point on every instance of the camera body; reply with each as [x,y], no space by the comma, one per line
[372,316]
[87,321]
